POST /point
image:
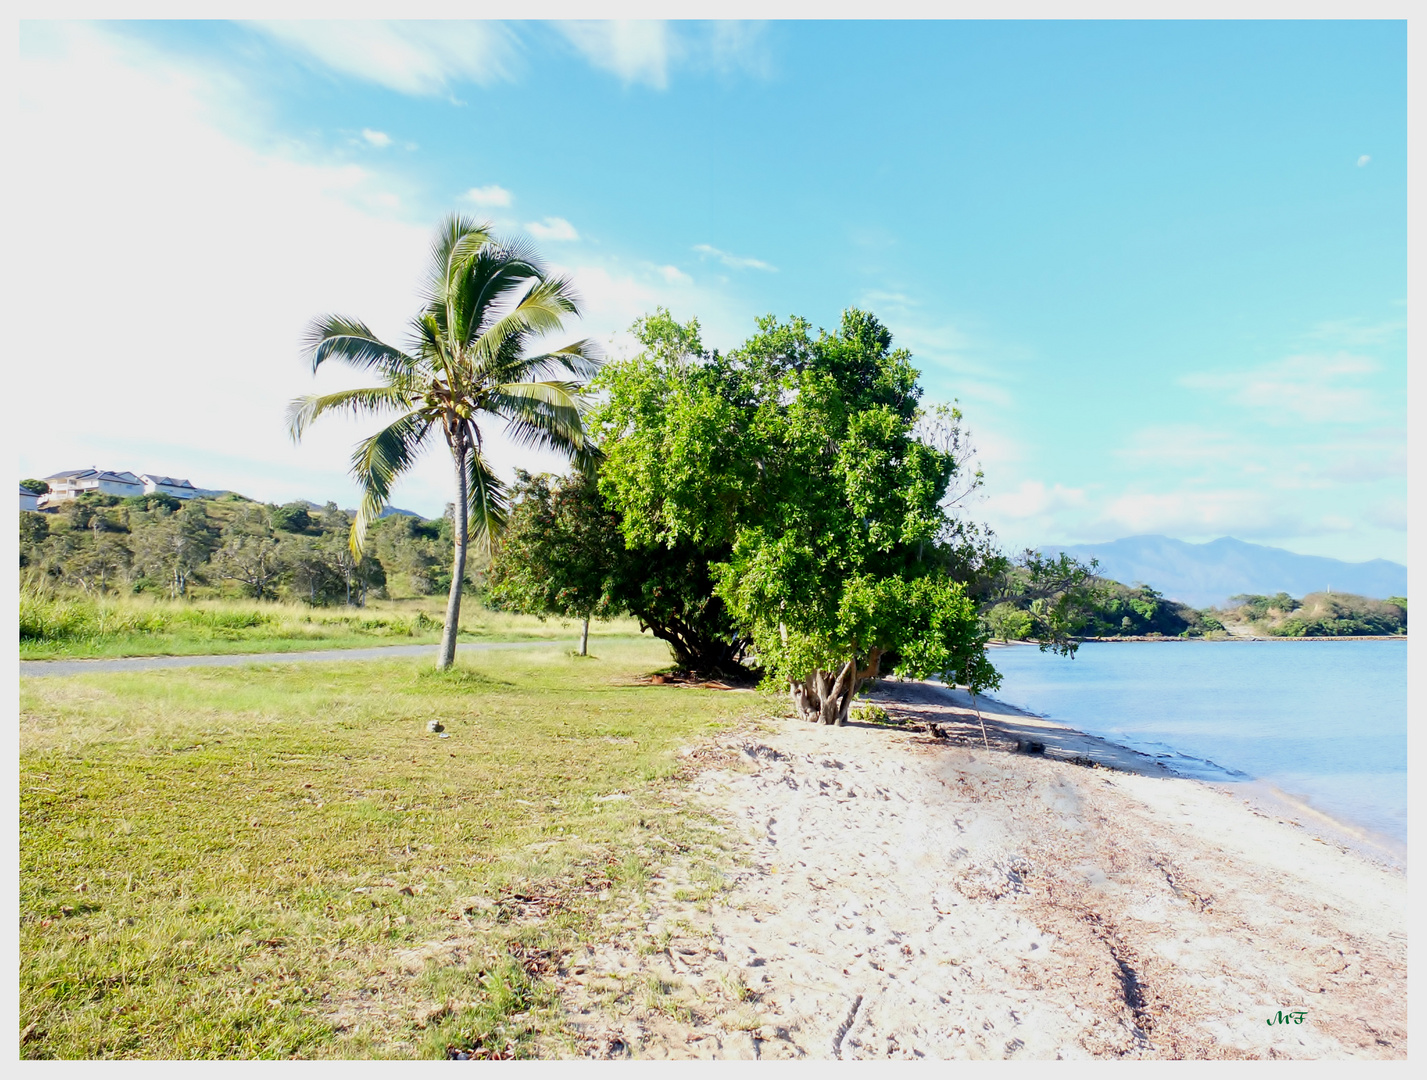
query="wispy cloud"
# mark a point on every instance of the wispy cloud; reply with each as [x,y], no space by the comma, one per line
[638,51]
[490,195]
[1357,333]
[674,276]
[552,228]
[1364,160]
[733,262]
[644,51]
[1035,513]
[379,139]
[420,58]
[1310,387]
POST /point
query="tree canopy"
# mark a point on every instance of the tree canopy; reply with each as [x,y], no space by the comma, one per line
[798,454]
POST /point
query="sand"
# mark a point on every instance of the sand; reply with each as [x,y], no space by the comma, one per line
[901,895]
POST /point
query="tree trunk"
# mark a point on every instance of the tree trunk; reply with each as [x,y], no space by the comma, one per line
[825,698]
[460,525]
[585,637]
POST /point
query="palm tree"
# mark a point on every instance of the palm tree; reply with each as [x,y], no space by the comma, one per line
[466,365]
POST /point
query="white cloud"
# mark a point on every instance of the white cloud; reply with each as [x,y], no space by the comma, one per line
[165,391]
[1389,514]
[490,195]
[299,237]
[552,228]
[1190,512]
[379,139]
[733,262]
[1362,161]
[1309,387]
[638,51]
[1033,499]
[734,45]
[430,57]
[1358,333]
[421,58]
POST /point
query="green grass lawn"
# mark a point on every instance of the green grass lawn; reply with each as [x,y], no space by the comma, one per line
[280,860]
[71,628]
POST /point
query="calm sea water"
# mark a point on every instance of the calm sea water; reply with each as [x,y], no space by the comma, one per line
[1323,720]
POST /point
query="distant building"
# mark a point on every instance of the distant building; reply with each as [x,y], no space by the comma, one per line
[72,483]
[29,500]
[167,485]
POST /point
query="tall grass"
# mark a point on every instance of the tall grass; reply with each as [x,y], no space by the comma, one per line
[56,619]
[56,625]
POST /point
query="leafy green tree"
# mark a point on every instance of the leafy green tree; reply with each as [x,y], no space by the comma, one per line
[33,530]
[100,563]
[309,570]
[1008,622]
[39,487]
[292,517]
[559,552]
[356,573]
[411,552]
[176,546]
[250,553]
[800,453]
[564,553]
[151,502]
[1058,598]
[468,362]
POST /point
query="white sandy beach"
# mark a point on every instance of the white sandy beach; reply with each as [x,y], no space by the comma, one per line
[906,896]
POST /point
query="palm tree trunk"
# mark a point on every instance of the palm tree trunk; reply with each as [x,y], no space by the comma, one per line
[458,567]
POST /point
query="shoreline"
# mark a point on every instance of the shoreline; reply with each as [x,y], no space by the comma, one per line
[921,890]
[1262,795]
[999,644]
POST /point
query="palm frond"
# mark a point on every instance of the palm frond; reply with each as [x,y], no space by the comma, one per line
[369,399]
[377,463]
[556,399]
[430,341]
[457,239]
[495,282]
[489,508]
[582,358]
[349,340]
[541,310]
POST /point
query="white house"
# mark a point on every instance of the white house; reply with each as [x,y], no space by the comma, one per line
[29,500]
[72,483]
[167,485]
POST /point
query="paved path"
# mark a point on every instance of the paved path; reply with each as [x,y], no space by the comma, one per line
[150,663]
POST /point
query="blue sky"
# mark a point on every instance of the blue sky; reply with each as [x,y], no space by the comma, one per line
[1161,266]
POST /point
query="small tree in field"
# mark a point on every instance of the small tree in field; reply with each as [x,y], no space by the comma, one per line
[564,553]
[557,554]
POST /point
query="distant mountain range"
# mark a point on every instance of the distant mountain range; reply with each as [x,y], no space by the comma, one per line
[1204,575]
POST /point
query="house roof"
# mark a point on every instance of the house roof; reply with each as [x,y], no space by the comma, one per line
[164,481]
[70,474]
[97,474]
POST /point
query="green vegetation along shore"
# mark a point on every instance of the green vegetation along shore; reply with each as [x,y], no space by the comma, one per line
[227,863]
[1113,610]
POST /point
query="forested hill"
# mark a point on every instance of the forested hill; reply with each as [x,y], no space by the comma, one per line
[1202,575]
[230,546]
